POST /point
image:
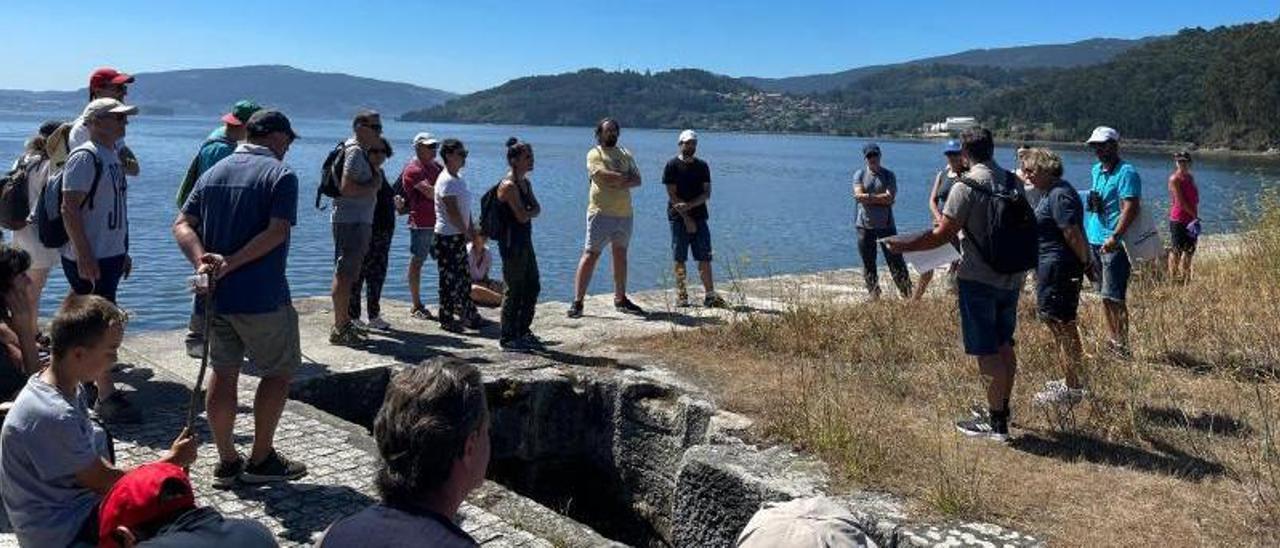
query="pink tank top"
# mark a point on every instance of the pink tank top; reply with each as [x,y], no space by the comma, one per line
[1178,212]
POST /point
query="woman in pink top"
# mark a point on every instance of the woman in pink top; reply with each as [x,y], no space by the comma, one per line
[1184,217]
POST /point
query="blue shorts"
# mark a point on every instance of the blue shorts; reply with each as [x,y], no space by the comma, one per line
[420,240]
[988,317]
[1115,272]
[682,241]
[110,271]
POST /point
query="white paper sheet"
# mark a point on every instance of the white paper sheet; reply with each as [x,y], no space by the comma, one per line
[924,261]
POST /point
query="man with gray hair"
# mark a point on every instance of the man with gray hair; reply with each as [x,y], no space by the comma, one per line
[353,220]
[433,435]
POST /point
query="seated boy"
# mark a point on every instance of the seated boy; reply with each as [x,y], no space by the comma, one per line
[54,468]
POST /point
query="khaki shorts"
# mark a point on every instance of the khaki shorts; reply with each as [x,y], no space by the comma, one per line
[271,338]
[350,244]
[605,229]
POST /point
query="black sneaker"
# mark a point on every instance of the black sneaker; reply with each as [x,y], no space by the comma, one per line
[115,408]
[478,322]
[682,300]
[575,310]
[227,473]
[533,341]
[714,301]
[979,428]
[625,306]
[515,345]
[273,468]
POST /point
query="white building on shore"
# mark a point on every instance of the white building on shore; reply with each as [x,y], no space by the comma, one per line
[952,124]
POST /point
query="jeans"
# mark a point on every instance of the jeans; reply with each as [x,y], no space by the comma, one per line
[867,245]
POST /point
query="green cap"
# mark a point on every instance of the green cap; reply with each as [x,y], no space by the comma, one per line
[240,112]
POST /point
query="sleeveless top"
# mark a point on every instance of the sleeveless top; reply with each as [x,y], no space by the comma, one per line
[517,233]
[1187,184]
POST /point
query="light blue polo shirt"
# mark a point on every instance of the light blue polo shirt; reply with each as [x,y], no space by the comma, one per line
[1120,184]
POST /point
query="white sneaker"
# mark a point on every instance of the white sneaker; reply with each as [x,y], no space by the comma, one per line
[359,323]
[1058,395]
[378,323]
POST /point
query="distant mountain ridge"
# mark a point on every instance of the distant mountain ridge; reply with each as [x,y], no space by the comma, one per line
[295,91]
[1076,54]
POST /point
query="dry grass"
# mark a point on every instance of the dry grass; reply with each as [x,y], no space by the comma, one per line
[1176,447]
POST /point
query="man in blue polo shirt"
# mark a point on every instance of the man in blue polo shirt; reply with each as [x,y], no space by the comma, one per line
[1111,209]
[235,226]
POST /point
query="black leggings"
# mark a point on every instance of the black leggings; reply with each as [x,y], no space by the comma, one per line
[373,272]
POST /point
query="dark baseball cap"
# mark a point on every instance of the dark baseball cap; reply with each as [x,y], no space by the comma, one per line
[870,149]
[265,122]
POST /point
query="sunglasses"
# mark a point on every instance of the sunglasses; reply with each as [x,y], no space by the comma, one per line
[461,153]
[377,151]
[375,127]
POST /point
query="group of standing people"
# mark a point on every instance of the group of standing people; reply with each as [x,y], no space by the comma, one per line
[1075,238]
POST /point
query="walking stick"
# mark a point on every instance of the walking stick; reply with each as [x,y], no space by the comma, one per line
[204,355]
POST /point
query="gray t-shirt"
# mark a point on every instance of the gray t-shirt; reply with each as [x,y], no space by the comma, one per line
[968,207]
[875,216]
[106,224]
[379,526]
[46,439]
[357,167]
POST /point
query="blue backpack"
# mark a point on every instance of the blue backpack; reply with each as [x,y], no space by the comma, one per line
[48,214]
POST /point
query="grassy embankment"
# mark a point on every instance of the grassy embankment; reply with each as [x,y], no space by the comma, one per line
[1176,447]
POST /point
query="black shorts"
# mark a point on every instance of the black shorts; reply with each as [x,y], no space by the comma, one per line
[1181,238]
[1058,290]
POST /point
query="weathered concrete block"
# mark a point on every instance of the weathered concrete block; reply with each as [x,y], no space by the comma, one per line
[964,534]
[719,488]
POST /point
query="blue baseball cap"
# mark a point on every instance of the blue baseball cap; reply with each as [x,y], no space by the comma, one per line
[870,149]
[953,147]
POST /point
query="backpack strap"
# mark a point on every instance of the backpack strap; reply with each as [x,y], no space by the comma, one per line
[97,176]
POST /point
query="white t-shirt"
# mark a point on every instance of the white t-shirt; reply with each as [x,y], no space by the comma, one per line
[106,224]
[478,263]
[450,185]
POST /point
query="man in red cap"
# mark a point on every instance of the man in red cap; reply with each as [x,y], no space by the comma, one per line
[154,506]
[106,82]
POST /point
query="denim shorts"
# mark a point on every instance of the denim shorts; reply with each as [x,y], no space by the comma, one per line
[1115,272]
[988,317]
[682,241]
[1058,290]
[420,240]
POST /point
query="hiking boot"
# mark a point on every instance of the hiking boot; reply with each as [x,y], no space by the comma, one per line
[575,310]
[116,408]
[227,473]
[625,306]
[346,335]
[682,300]
[714,301]
[378,324]
[421,313]
[978,428]
[273,468]
[520,344]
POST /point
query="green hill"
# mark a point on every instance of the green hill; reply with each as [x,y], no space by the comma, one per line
[1217,87]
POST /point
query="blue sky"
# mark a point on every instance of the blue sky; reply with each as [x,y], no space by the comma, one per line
[467,45]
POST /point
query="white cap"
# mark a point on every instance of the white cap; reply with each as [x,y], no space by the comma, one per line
[817,522]
[687,135]
[424,138]
[107,105]
[1102,134]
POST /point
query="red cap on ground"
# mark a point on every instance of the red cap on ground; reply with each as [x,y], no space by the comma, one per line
[146,494]
[108,75]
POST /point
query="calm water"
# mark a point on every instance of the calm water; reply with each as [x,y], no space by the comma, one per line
[780,203]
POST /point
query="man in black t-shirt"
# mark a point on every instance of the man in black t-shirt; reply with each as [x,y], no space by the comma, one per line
[688,182]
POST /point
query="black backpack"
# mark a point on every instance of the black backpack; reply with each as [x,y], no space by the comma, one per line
[49,226]
[1011,245]
[193,169]
[15,204]
[491,222]
[331,173]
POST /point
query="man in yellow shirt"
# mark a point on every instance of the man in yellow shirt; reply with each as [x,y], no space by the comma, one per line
[612,172]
